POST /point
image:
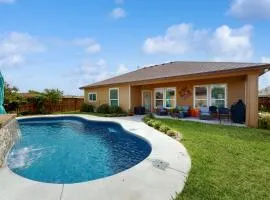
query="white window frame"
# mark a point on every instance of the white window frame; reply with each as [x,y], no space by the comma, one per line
[165,96]
[92,94]
[209,93]
[194,95]
[225,95]
[164,90]
[118,95]
[155,99]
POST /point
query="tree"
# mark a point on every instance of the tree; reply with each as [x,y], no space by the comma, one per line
[38,99]
[53,96]
[48,97]
[13,99]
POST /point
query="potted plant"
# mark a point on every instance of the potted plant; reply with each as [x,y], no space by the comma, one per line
[130,112]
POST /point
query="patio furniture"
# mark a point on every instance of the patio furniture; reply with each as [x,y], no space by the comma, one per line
[186,111]
[213,111]
[205,113]
[178,112]
[195,112]
[238,112]
[139,110]
[160,110]
[223,113]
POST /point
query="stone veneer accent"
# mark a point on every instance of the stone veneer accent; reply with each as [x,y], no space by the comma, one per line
[9,133]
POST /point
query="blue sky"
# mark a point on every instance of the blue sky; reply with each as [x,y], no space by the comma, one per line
[67,44]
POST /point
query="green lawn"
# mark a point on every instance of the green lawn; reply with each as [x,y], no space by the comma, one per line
[227,162]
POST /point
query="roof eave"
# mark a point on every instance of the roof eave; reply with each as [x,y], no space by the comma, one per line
[261,67]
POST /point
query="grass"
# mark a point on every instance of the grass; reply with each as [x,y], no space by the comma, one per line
[227,162]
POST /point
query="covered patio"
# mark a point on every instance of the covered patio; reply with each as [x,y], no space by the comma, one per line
[195,119]
[196,92]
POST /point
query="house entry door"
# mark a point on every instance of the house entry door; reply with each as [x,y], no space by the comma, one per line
[147,100]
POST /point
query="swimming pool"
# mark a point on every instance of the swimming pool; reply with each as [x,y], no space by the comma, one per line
[72,150]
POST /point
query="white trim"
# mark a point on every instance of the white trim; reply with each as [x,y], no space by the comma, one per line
[151,98]
[89,98]
[164,96]
[118,95]
[175,99]
[209,95]
[155,96]
[194,95]
[225,95]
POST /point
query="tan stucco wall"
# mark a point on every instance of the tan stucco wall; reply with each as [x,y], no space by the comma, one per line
[103,95]
[235,86]
[243,87]
[136,96]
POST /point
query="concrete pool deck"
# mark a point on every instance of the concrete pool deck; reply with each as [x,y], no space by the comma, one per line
[160,176]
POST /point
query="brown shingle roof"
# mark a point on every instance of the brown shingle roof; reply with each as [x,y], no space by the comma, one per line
[172,69]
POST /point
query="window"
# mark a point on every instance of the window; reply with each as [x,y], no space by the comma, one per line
[159,97]
[218,95]
[92,96]
[114,96]
[165,97]
[201,96]
[170,97]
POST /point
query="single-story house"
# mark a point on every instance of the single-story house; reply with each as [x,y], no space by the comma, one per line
[182,83]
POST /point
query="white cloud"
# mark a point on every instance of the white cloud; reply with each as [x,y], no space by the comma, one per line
[118,13]
[224,43]
[89,72]
[7,1]
[15,46]
[122,69]
[264,80]
[265,60]
[89,44]
[229,44]
[178,39]
[119,1]
[250,9]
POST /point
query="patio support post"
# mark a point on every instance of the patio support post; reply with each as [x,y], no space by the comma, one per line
[252,100]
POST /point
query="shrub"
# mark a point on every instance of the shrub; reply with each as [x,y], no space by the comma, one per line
[172,133]
[164,128]
[146,119]
[156,124]
[116,109]
[151,116]
[104,109]
[124,114]
[151,122]
[264,121]
[87,108]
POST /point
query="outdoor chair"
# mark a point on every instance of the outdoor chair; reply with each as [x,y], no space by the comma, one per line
[205,113]
[223,113]
[178,112]
[186,111]
[161,111]
[213,111]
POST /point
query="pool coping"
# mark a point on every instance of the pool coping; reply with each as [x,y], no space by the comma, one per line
[160,176]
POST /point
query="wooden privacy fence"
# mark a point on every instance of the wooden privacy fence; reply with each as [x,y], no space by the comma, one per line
[265,102]
[65,105]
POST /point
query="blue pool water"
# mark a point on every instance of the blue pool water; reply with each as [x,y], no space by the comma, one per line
[72,150]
